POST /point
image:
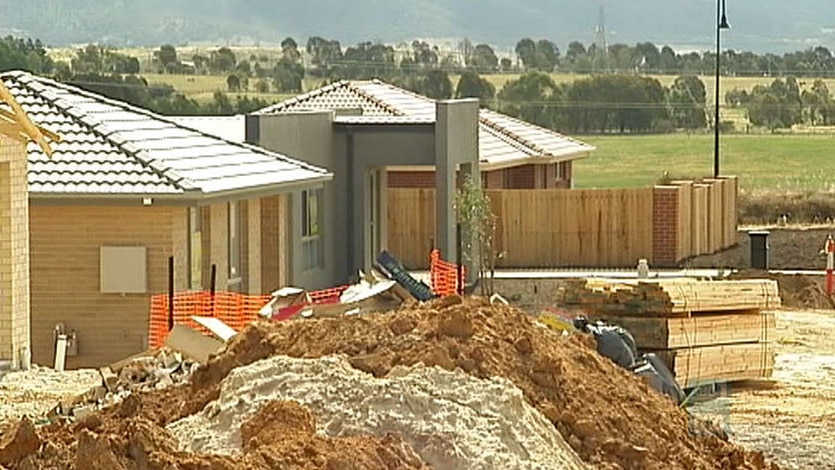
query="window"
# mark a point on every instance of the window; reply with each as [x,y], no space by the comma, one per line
[235,244]
[311,229]
[195,248]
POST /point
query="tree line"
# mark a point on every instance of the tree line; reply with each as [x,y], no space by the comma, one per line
[603,102]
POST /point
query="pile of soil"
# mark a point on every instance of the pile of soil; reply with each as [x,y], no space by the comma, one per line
[610,418]
[280,435]
[451,419]
[796,290]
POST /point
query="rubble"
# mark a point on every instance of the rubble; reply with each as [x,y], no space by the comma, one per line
[452,420]
[34,392]
[153,370]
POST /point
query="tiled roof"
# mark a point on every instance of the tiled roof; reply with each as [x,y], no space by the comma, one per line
[111,148]
[503,140]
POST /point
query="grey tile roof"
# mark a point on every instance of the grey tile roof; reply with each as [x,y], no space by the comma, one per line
[503,140]
[111,148]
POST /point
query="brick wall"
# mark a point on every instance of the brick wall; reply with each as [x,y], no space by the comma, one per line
[65,243]
[14,250]
[665,228]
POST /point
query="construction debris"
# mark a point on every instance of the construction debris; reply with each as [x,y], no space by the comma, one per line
[608,416]
[36,391]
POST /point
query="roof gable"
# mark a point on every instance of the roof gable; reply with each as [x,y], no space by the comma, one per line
[503,140]
[112,148]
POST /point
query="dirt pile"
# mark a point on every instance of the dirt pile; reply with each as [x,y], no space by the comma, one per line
[796,290]
[451,419]
[612,419]
[280,435]
[607,415]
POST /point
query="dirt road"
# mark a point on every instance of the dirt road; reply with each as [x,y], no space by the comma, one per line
[792,418]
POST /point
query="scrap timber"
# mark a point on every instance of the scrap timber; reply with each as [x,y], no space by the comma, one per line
[706,331]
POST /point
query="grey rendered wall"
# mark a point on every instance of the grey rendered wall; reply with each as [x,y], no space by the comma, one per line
[308,137]
[371,148]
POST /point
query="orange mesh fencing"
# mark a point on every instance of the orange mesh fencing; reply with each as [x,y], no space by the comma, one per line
[443,275]
[234,309]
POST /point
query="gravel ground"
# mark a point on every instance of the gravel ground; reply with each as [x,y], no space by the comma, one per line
[36,391]
[791,418]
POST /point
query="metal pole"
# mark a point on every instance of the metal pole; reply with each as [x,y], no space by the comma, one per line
[170,293]
[460,260]
[716,117]
[213,287]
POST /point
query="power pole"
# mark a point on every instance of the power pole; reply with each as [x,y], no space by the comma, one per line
[601,49]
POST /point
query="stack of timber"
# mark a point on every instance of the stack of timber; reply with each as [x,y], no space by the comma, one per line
[706,331]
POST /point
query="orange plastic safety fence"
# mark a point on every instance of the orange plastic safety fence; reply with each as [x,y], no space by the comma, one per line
[234,309]
[443,275]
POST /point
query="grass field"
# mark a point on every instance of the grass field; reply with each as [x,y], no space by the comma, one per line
[763,163]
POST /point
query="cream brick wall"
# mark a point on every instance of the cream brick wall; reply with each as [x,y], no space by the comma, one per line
[65,244]
[14,250]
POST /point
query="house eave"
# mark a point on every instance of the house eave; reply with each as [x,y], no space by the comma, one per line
[191,198]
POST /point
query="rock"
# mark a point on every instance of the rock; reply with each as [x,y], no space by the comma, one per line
[94,452]
[18,441]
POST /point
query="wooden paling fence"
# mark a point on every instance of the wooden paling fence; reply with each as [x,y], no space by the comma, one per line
[550,228]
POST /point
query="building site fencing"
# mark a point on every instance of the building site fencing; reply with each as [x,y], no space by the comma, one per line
[605,228]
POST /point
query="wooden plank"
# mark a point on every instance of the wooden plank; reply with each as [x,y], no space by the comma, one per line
[704,330]
[716,364]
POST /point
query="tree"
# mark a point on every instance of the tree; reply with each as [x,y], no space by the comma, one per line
[484,59]
[479,227]
[437,85]
[526,50]
[471,85]
[533,97]
[24,54]
[233,82]
[367,60]
[167,56]
[243,67]
[505,64]
[547,55]
[262,86]
[575,51]
[324,53]
[290,50]
[687,101]
[287,76]
[424,55]
[89,59]
[222,60]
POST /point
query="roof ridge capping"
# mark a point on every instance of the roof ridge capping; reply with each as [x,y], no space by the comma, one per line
[504,131]
[274,108]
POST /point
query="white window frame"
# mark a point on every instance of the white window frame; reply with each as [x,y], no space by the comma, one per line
[235,243]
[311,229]
[195,260]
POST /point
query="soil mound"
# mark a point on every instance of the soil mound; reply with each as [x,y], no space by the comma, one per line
[451,419]
[611,418]
[796,290]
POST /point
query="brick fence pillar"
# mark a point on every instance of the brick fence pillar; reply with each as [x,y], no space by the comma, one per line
[665,226]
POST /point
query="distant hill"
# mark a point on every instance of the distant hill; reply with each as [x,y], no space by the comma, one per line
[758,25]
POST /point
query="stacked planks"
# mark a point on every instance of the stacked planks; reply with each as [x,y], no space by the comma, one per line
[706,331]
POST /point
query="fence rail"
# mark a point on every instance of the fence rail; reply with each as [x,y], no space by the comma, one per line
[582,228]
